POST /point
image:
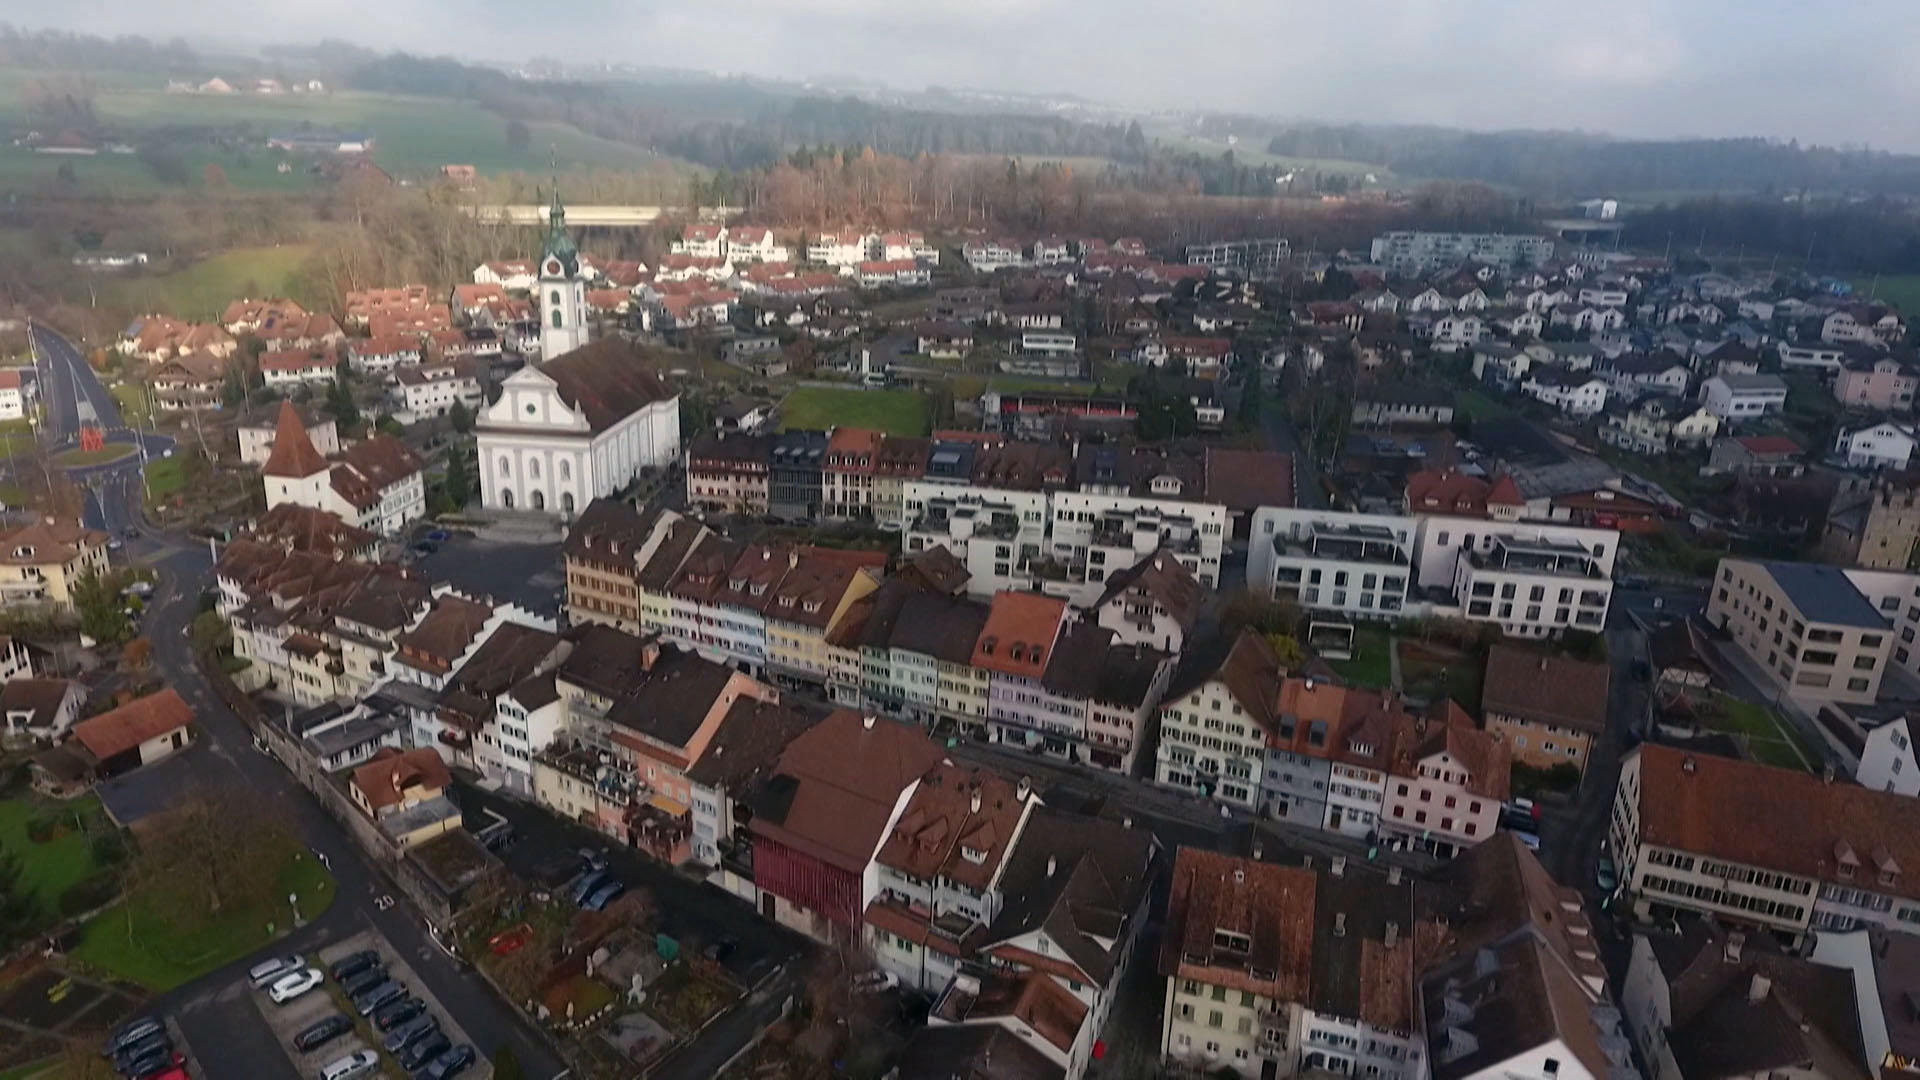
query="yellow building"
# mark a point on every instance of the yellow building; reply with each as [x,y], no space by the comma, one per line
[41,563]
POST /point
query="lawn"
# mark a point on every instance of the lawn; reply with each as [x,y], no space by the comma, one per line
[16,444]
[1371,666]
[166,476]
[1767,739]
[896,412]
[75,459]
[1430,671]
[133,402]
[1900,290]
[52,867]
[133,942]
[1478,406]
[12,495]
[203,289]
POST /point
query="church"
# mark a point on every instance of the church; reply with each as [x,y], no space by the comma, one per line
[582,423]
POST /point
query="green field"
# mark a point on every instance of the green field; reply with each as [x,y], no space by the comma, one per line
[1372,663]
[51,868]
[202,290]
[896,412]
[166,476]
[133,942]
[1478,406]
[1766,738]
[1900,290]
[412,136]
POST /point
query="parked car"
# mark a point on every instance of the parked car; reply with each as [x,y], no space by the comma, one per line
[355,985]
[348,966]
[146,1058]
[268,972]
[132,1032]
[292,986]
[395,1013]
[596,860]
[322,1031]
[720,948]
[1530,840]
[606,894]
[873,982]
[372,999]
[128,1053]
[160,1065]
[1605,876]
[450,1063]
[425,1050]
[588,882]
[358,1063]
[410,1032]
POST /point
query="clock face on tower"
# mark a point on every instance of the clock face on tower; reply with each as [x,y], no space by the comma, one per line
[553,267]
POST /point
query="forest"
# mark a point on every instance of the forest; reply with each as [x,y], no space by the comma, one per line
[1569,165]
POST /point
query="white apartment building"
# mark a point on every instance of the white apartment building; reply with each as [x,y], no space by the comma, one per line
[1823,633]
[1109,532]
[256,439]
[838,248]
[1535,583]
[1410,252]
[1812,356]
[527,719]
[1359,566]
[1885,445]
[433,389]
[1573,394]
[1213,738]
[986,256]
[1744,397]
[1887,759]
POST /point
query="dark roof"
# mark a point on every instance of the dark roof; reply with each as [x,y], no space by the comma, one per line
[973,1052]
[38,698]
[609,530]
[1243,480]
[673,696]
[1166,582]
[836,786]
[1079,878]
[444,634]
[938,625]
[938,567]
[293,453]
[1539,686]
[748,742]
[607,380]
[1824,594]
[1672,646]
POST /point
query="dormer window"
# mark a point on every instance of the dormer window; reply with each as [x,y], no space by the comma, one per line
[737,584]
[811,606]
[25,551]
[759,588]
[973,855]
[987,644]
[1232,941]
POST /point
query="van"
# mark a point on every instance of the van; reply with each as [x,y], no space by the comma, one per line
[358,1063]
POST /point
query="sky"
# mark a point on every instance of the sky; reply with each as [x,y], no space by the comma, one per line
[1840,73]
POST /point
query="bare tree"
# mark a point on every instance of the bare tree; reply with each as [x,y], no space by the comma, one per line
[217,849]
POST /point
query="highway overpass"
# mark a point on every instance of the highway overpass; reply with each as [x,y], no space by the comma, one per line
[585,215]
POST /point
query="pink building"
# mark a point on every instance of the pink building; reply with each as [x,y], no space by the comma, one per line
[1447,782]
[1884,385]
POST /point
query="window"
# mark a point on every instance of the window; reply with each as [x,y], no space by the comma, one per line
[556,317]
[506,468]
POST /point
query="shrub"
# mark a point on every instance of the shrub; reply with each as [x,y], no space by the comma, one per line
[41,828]
[89,892]
[108,848]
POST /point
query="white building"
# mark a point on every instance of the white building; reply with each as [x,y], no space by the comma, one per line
[1573,394]
[1887,761]
[16,393]
[1744,397]
[754,243]
[1419,252]
[1355,565]
[433,389]
[838,248]
[575,429]
[376,484]
[1885,445]
[513,275]
[1810,356]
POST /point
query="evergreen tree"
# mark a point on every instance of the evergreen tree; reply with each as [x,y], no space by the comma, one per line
[459,486]
[340,397]
[460,417]
[102,616]
[19,910]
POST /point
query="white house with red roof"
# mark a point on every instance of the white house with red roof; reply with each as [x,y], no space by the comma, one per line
[376,484]
[16,392]
[513,274]
[754,243]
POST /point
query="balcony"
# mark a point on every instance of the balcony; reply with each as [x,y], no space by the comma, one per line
[1346,543]
[1537,557]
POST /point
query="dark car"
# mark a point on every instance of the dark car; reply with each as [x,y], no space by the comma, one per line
[410,1032]
[720,948]
[370,1002]
[151,1060]
[425,547]
[135,1031]
[154,1066]
[392,1015]
[322,1031]
[157,1043]
[588,882]
[355,985]
[450,1063]
[609,891]
[425,1050]
[349,966]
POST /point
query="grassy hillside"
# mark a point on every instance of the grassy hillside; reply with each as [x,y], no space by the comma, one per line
[413,136]
[202,290]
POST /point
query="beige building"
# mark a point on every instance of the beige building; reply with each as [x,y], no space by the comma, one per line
[1547,709]
[41,563]
[1882,385]
[405,793]
[1877,529]
[1812,627]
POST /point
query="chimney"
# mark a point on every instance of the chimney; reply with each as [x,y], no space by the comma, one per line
[1053,864]
[1023,790]
[1339,866]
[973,803]
[1257,849]
[1758,989]
[1339,924]
[649,654]
[1736,941]
[1392,937]
[1688,765]
[867,721]
[1826,772]
[1393,875]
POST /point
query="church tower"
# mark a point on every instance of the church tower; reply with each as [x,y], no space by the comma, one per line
[563,288]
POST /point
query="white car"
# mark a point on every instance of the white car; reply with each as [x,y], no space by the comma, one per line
[292,986]
[358,1063]
[270,971]
[873,982]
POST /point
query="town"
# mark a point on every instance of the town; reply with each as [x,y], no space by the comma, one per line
[736,638]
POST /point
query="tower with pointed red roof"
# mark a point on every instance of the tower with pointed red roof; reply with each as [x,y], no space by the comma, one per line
[295,472]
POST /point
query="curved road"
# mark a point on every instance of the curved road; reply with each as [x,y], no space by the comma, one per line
[75,398]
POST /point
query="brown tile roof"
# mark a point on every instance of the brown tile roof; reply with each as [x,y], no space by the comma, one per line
[1162,579]
[1544,688]
[1505,492]
[683,534]
[1264,907]
[385,779]
[836,786]
[1081,880]
[748,743]
[1033,999]
[38,698]
[444,634]
[1252,674]
[1768,444]
[1779,819]
[371,466]
[1517,998]
[1448,729]
[304,528]
[293,455]
[44,542]
[936,624]
[958,824]
[1019,634]
[607,380]
[938,568]
[852,450]
[1242,480]
[122,729]
[610,532]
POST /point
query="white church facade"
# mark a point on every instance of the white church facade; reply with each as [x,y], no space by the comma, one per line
[582,423]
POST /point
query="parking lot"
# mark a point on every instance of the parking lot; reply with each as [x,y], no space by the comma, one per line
[288,1020]
[531,575]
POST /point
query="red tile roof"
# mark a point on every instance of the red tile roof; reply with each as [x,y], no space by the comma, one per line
[1019,635]
[293,454]
[119,730]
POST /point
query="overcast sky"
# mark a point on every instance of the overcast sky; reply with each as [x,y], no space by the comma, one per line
[1844,72]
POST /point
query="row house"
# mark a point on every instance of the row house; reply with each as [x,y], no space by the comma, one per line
[1656,424]
[361,305]
[604,551]
[986,256]
[294,367]
[380,356]
[1575,393]
[743,750]
[1659,373]
[880,273]
[411,321]
[728,474]
[1761,847]
[432,654]
[249,315]
[432,390]
[516,275]
[157,338]
[1870,324]
[838,249]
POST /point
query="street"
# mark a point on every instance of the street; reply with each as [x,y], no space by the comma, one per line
[75,398]
[1277,428]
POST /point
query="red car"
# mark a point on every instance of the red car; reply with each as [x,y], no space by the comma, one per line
[511,940]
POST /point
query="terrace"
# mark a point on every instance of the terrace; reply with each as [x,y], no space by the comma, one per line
[1538,557]
[1346,543]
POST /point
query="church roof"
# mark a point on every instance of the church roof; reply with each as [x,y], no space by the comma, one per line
[607,381]
[559,243]
[293,453]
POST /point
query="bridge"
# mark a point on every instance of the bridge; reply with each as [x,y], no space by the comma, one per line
[628,217]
